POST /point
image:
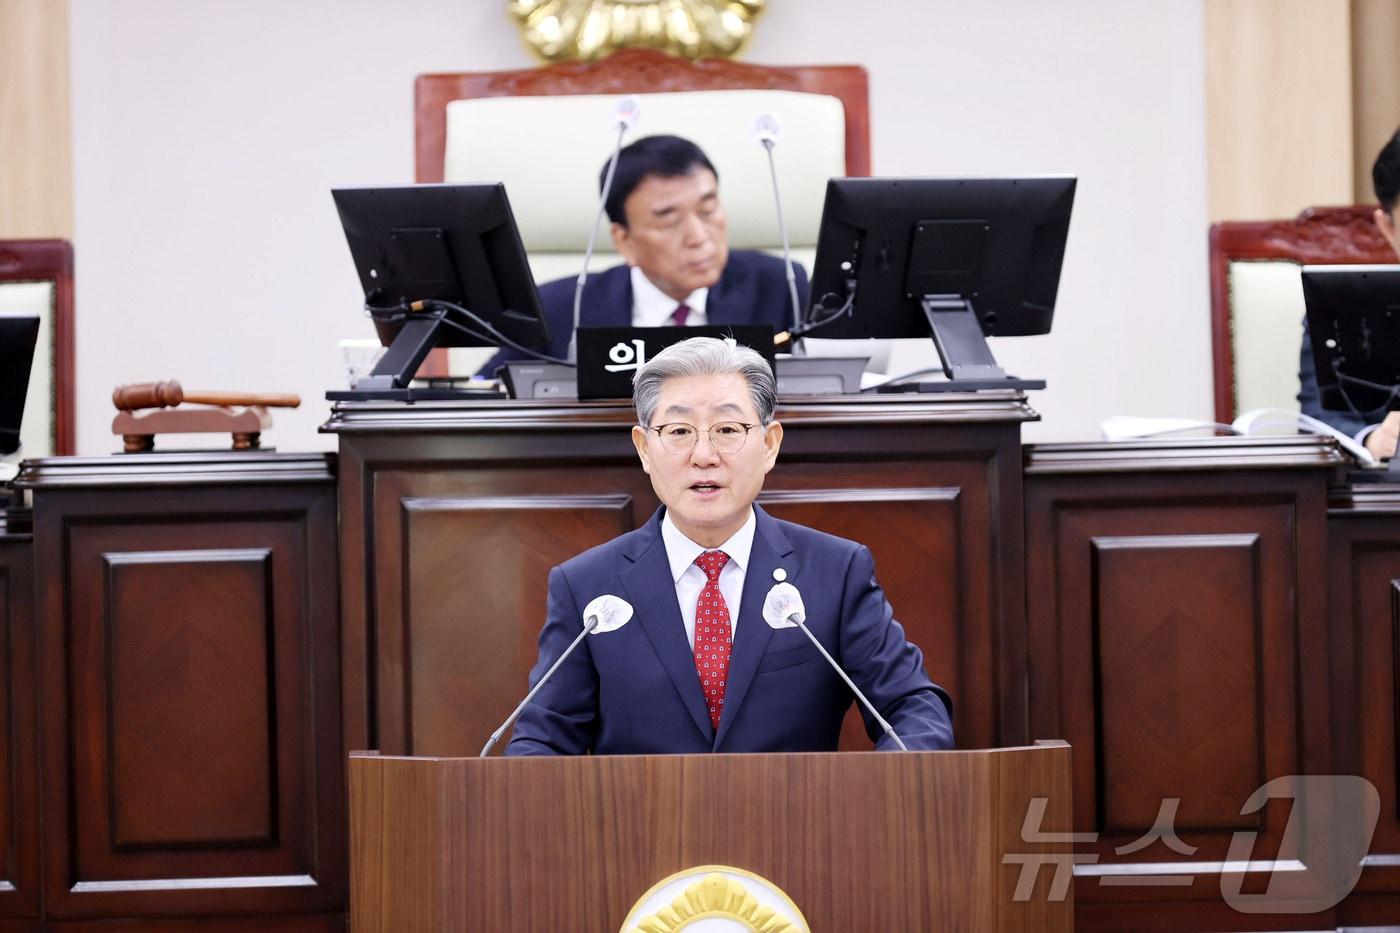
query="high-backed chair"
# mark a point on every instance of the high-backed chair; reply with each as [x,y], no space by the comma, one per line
[1256,298]
[546,132]
[37,276]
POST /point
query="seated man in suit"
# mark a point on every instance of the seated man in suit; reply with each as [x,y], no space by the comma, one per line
[1378,434]
[669,225]
[697,668]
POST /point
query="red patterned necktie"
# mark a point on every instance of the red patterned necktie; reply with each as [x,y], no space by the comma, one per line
[713,635]
[679,315]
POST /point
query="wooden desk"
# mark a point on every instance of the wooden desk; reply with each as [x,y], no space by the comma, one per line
[1178,635]
[188,687]
[1363,542]
[1194,617]
[19,761]
[452,515]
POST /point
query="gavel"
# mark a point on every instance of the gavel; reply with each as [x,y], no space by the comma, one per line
[141,395]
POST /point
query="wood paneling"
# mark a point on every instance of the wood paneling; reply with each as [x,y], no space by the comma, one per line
[1180,646]
[464,661]
[1364,536]
[486,497]
[189,694]
[923,572]
[19,765]
[437,843]
[191,736]
[1176,618]
[36,175]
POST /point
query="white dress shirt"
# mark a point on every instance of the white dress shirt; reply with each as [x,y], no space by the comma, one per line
[651,307]
[690,579]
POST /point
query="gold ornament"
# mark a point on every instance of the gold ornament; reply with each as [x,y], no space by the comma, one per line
[718,897]
[586,30]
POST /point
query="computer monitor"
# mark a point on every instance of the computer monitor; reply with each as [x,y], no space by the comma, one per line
[18,334]
[1354,324]
[417,247]
[959,259]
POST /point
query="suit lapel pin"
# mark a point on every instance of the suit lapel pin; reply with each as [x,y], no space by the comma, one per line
[780,574]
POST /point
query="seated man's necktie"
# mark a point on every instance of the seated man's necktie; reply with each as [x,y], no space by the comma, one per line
[713,635]
[679,315]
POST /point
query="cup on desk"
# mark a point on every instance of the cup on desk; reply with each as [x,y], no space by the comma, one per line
[359,355]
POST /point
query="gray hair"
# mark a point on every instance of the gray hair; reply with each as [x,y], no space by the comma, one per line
[704,356]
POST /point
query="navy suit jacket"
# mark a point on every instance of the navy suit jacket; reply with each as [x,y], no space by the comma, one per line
[635,690]
[751,290]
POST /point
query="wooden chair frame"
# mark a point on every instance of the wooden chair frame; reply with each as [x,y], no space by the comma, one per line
[1317,235]
[632,71]
[636,71]
[50,261]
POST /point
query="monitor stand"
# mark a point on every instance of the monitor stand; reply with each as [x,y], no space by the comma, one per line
[962,347]
[392,375]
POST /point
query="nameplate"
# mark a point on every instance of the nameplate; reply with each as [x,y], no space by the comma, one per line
[608,357]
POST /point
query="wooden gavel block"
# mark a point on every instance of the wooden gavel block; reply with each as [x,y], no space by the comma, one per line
[242,414]
[139,429]
[141,395]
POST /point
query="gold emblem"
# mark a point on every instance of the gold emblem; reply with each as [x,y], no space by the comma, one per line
[585,30]
[719,893]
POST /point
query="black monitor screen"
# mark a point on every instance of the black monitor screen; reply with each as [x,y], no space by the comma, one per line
[455,243]
[996,243]
[1354,324]
[18,333]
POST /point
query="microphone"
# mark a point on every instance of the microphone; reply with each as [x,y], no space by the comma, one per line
[625,115]
[627,112]
[766,130]
[604,614]
[783,608]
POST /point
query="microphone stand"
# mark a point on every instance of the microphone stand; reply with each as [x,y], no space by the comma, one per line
[889,730]
[622,126]
[797,345]
[589,625]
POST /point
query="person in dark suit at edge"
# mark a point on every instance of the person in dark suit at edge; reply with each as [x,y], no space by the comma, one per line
[698,668]
[1379,436]
[669,226]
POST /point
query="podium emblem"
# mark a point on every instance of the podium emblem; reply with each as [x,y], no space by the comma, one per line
[715,898]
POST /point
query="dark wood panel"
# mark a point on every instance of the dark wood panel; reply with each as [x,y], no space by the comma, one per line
[1365,613]
[19,770]
[1108,712]
[189,670]
[302,923]
[429,569]
[924,577]
[141,660]
[956,570]
[471,627]
[1178,630]
[1176,625]
[435,840]
[189,638]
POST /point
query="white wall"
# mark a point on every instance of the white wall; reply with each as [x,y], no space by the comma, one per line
[207,136]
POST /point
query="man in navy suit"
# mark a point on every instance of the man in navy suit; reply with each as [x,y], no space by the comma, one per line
[698,668]
[669,226]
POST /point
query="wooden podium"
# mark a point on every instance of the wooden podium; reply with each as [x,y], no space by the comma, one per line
[858,841]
